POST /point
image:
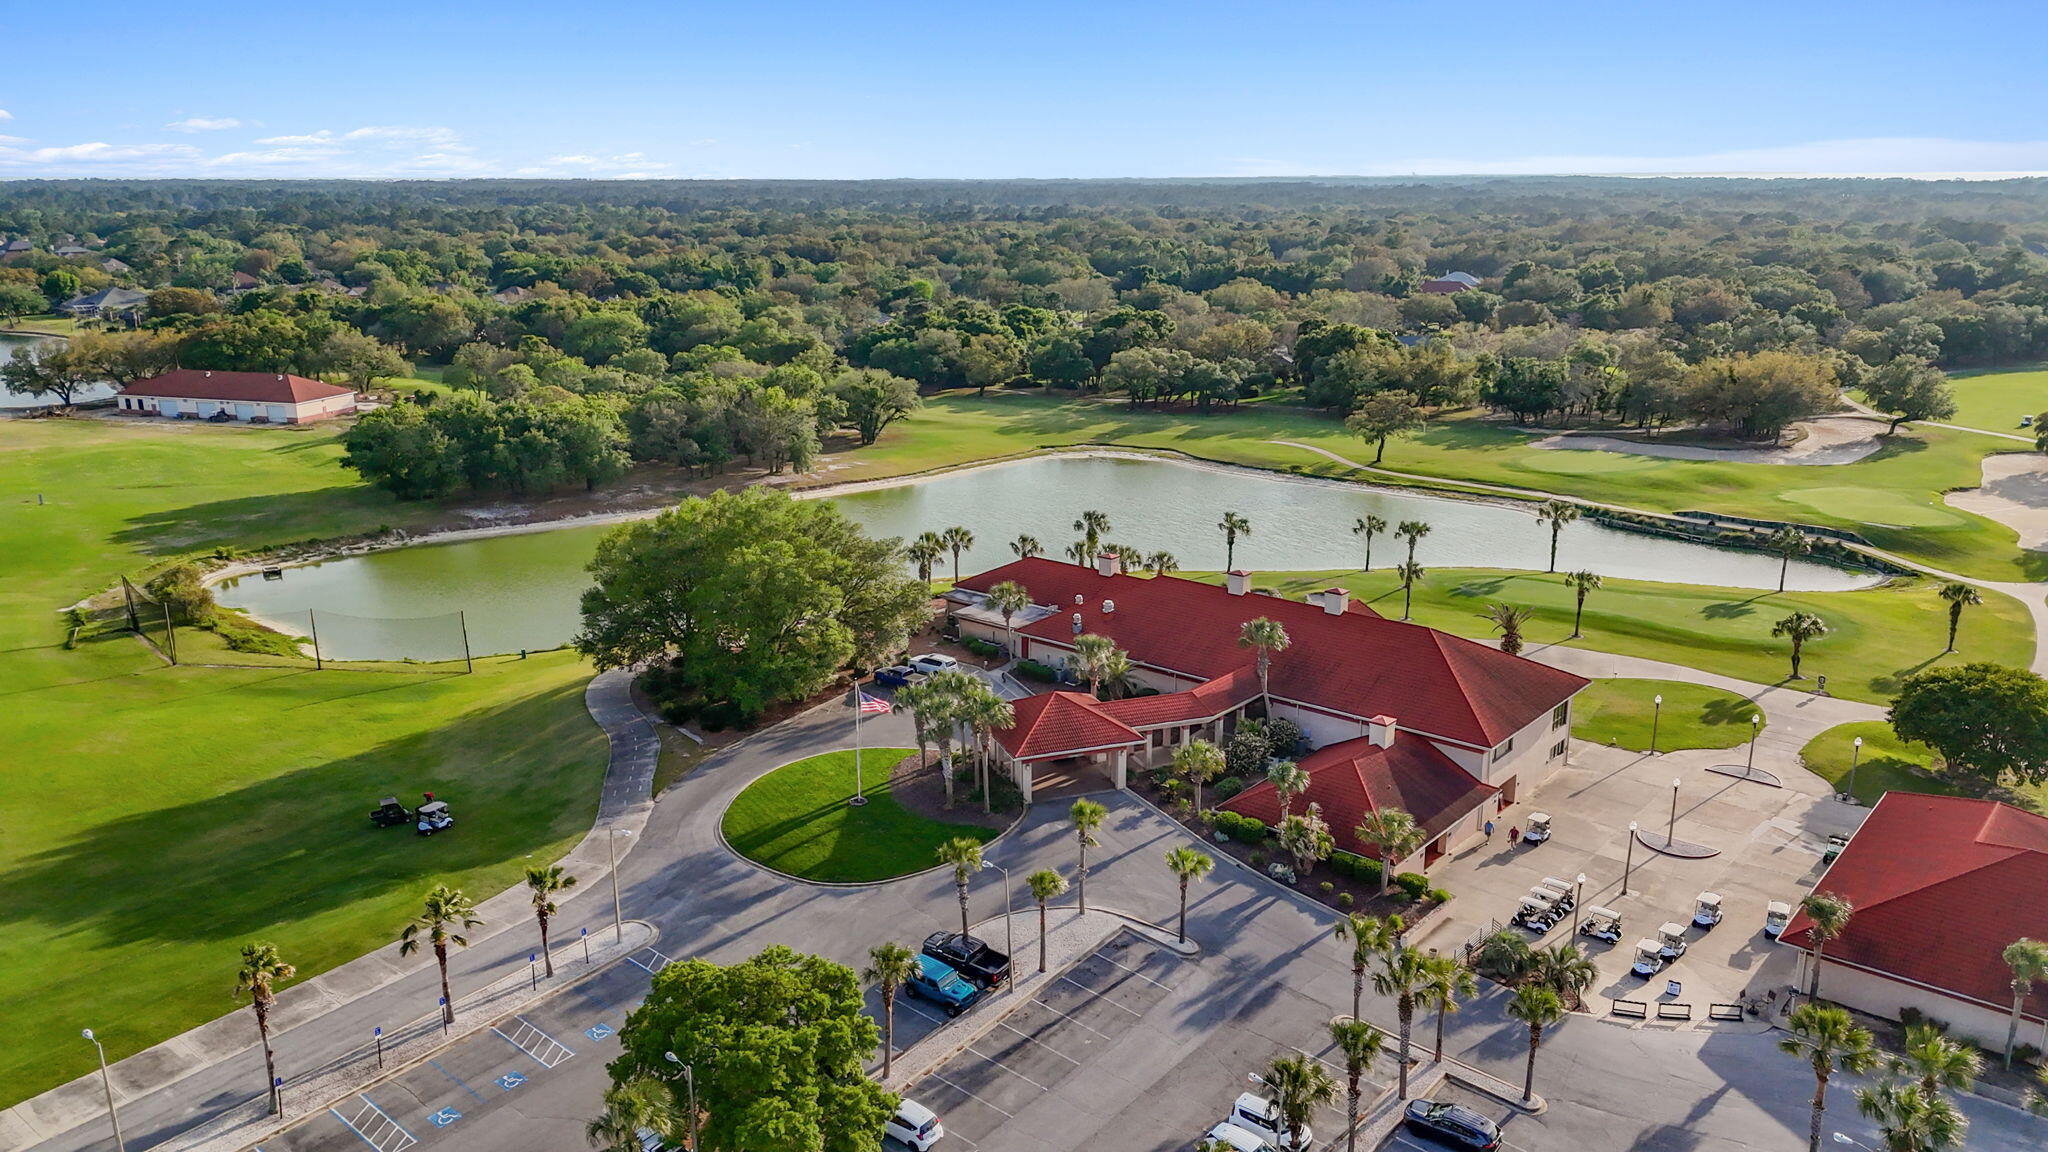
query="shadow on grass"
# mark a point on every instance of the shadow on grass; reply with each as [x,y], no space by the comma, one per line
[254,521]
[1732,609]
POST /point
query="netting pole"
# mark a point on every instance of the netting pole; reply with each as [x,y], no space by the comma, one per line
[128,596]
[462,619]
[170,633]
[313,619]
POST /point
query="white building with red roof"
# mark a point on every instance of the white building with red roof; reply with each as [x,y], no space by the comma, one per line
[1399,715]
[1940,886]
[251,397]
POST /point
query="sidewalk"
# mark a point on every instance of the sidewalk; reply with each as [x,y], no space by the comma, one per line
[177,1084]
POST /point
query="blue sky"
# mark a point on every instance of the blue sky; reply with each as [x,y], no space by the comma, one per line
[807,89]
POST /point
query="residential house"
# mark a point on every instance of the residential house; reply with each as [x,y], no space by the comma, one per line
[105,304]
[71,250]
[1448,283]
[243,282]
[15,249]
[510,296]
[251,397]
[114,267]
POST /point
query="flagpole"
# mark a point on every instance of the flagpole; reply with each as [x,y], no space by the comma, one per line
[859,792]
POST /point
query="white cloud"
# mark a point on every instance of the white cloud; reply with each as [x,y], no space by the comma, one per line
[13,139]
[1868,156]
[95,152]
[5,115]
[203,124]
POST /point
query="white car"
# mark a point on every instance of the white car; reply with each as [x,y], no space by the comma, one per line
[915,1125]
[932,662]
[1238,1139]
[1250,1114]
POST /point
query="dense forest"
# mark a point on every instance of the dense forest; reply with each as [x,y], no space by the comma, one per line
[587,324]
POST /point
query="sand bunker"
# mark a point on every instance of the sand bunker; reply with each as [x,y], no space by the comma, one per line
[1828,440]
[2015,493]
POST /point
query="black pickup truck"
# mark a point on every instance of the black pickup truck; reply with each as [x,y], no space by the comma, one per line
[982,965]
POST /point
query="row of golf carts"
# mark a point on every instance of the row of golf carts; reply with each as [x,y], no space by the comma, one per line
[1551,900]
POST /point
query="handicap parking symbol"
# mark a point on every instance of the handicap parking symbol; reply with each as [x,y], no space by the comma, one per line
[598,1032]
[444,1117]
[511,1080]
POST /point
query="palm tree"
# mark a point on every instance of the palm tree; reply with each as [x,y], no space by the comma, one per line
[1394,835]
[985,713]
[957,540]
[1091,654]
[1830,916]
[1827,1039]
[1581,583]
[1800,627]
[1080,553]
[1092,526]
[925,552]
[1936,1062]
[1369,936]
[1087,816]
[934,707]
[1412,531]
[640,1102]
[964,854]
[1402,975]
[1118,679]
[1787,542]
[446,914]
[1538,1007]
[1508,619]
[890,966]
[1264,637]
[2028,960]
[1187,864]
[1161,563]
[1957,595]
[1411,574]
[1232,526]
[1027,546]
[1361,1044]
[1046,884]
[1445,982]
[1557,513]
[542,885]
[1564,969]
[1368,527]
[257,979]
[1128,559]
[1009,598]
[1909,1118]
[1288,780]
[1199,762]
[1299,1086]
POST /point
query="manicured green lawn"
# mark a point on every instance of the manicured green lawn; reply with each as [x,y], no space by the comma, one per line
[1995,401]
[1876,636]
[1890,764]
[1622,712]
[796,820]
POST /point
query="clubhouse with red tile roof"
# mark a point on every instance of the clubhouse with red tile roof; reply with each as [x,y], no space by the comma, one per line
[251,397]
[1398,715]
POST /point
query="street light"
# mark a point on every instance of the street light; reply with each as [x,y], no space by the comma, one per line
[611,842]
[107,1083]
[1630,865]
[1671,832]
[1009,917]
[1579,897]
[1843,1138]
[1655,718]
[689,1078]
[1756,719]
[1855,754]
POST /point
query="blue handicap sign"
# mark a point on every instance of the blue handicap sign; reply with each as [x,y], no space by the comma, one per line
[511,1080]
[444,1117]
[598,1032]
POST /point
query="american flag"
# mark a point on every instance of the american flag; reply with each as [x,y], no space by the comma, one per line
[873,703]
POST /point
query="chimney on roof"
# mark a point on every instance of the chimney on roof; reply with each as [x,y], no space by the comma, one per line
[1380,730]
[1336,600]
[1106,563]
[1237,582]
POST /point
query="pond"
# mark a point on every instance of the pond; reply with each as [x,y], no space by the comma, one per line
[520,591]
[9,341]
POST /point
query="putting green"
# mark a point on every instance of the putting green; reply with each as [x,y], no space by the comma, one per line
[1875,506]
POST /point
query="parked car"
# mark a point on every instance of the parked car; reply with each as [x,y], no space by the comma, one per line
[1251,1113]
[650,1140]
[932,662]
[1452,1124]
[936,981]
[898,676]
[969,956]
[915,1125]
[1238,1139]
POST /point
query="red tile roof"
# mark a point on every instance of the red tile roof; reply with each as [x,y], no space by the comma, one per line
[1356,777]
[1940,885]
[1357,663]
[1053,724]
[1205,701]
[248,387]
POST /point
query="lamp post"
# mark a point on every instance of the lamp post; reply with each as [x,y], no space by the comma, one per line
[1756,720]
[611,842]
[107,1083]
[1843,1138]
[1656,717]
[1855,754]
[1671,830]
[1629,866]
[1579,896]
[689,1079]
[1009,917]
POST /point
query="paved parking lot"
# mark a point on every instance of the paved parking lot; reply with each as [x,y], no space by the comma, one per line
[1403,1140]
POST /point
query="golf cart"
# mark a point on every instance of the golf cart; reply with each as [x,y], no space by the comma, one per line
[434,817]
[1777,914]
[1649,959]
[1539,911]
[1835,845]
[1566,901]
[1706,911]
[1539,828]
[390,814]
[1602,924]
[1671,941]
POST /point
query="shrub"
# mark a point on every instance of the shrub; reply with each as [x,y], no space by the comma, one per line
[1257,859]
[722,714]
[1283,737]
[1248,751]
[1413,885]
[1364,869]
[1327,887]
[1227,787]
[1438,895]
[1241,828]
[1504,956]
[679,712]
[2026,1053]
[1344,900]
[1033,670]
[980,647]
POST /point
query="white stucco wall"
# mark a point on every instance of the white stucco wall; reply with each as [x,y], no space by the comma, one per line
[1878,996]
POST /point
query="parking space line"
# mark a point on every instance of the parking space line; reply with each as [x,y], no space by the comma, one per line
[1006,1068]
[459,1082]
[970,1095]
[528,1038]
[390,1135]
[1093,994]
[1069,1019]
[1042,1044]
[1135,972]
[922,1012]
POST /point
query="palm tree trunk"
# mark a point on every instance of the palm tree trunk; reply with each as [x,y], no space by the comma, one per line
[547,957]
[2012,1029]
[1795,657]
[963,907]
[1407,597]
[1529,1073]
[1955,617]
[1407,1010]
[1368,552]
[447,997]
[269,1060]
[1813,985]
[1041,936]
[1183,909]
[946,771]
[1351,1129]
[888,1028]
[1578,614]
[1555,528]
[1442,1008]
[1357,987]
[1784,566]
[1081,881]
[1820,1106]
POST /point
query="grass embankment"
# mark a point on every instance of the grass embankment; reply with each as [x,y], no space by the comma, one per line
[1623,712]
[1995,401]
[796,820]
[1890,764]
[1893,498]
[157,818]
[1876,637]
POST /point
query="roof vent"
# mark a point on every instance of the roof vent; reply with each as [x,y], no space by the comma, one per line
[1108,607]
[1077,623]
[208,375]
[1080,599]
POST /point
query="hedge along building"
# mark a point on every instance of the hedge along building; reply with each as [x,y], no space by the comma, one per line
[1400,715]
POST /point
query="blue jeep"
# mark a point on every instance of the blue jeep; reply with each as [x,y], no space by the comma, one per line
[937,982]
